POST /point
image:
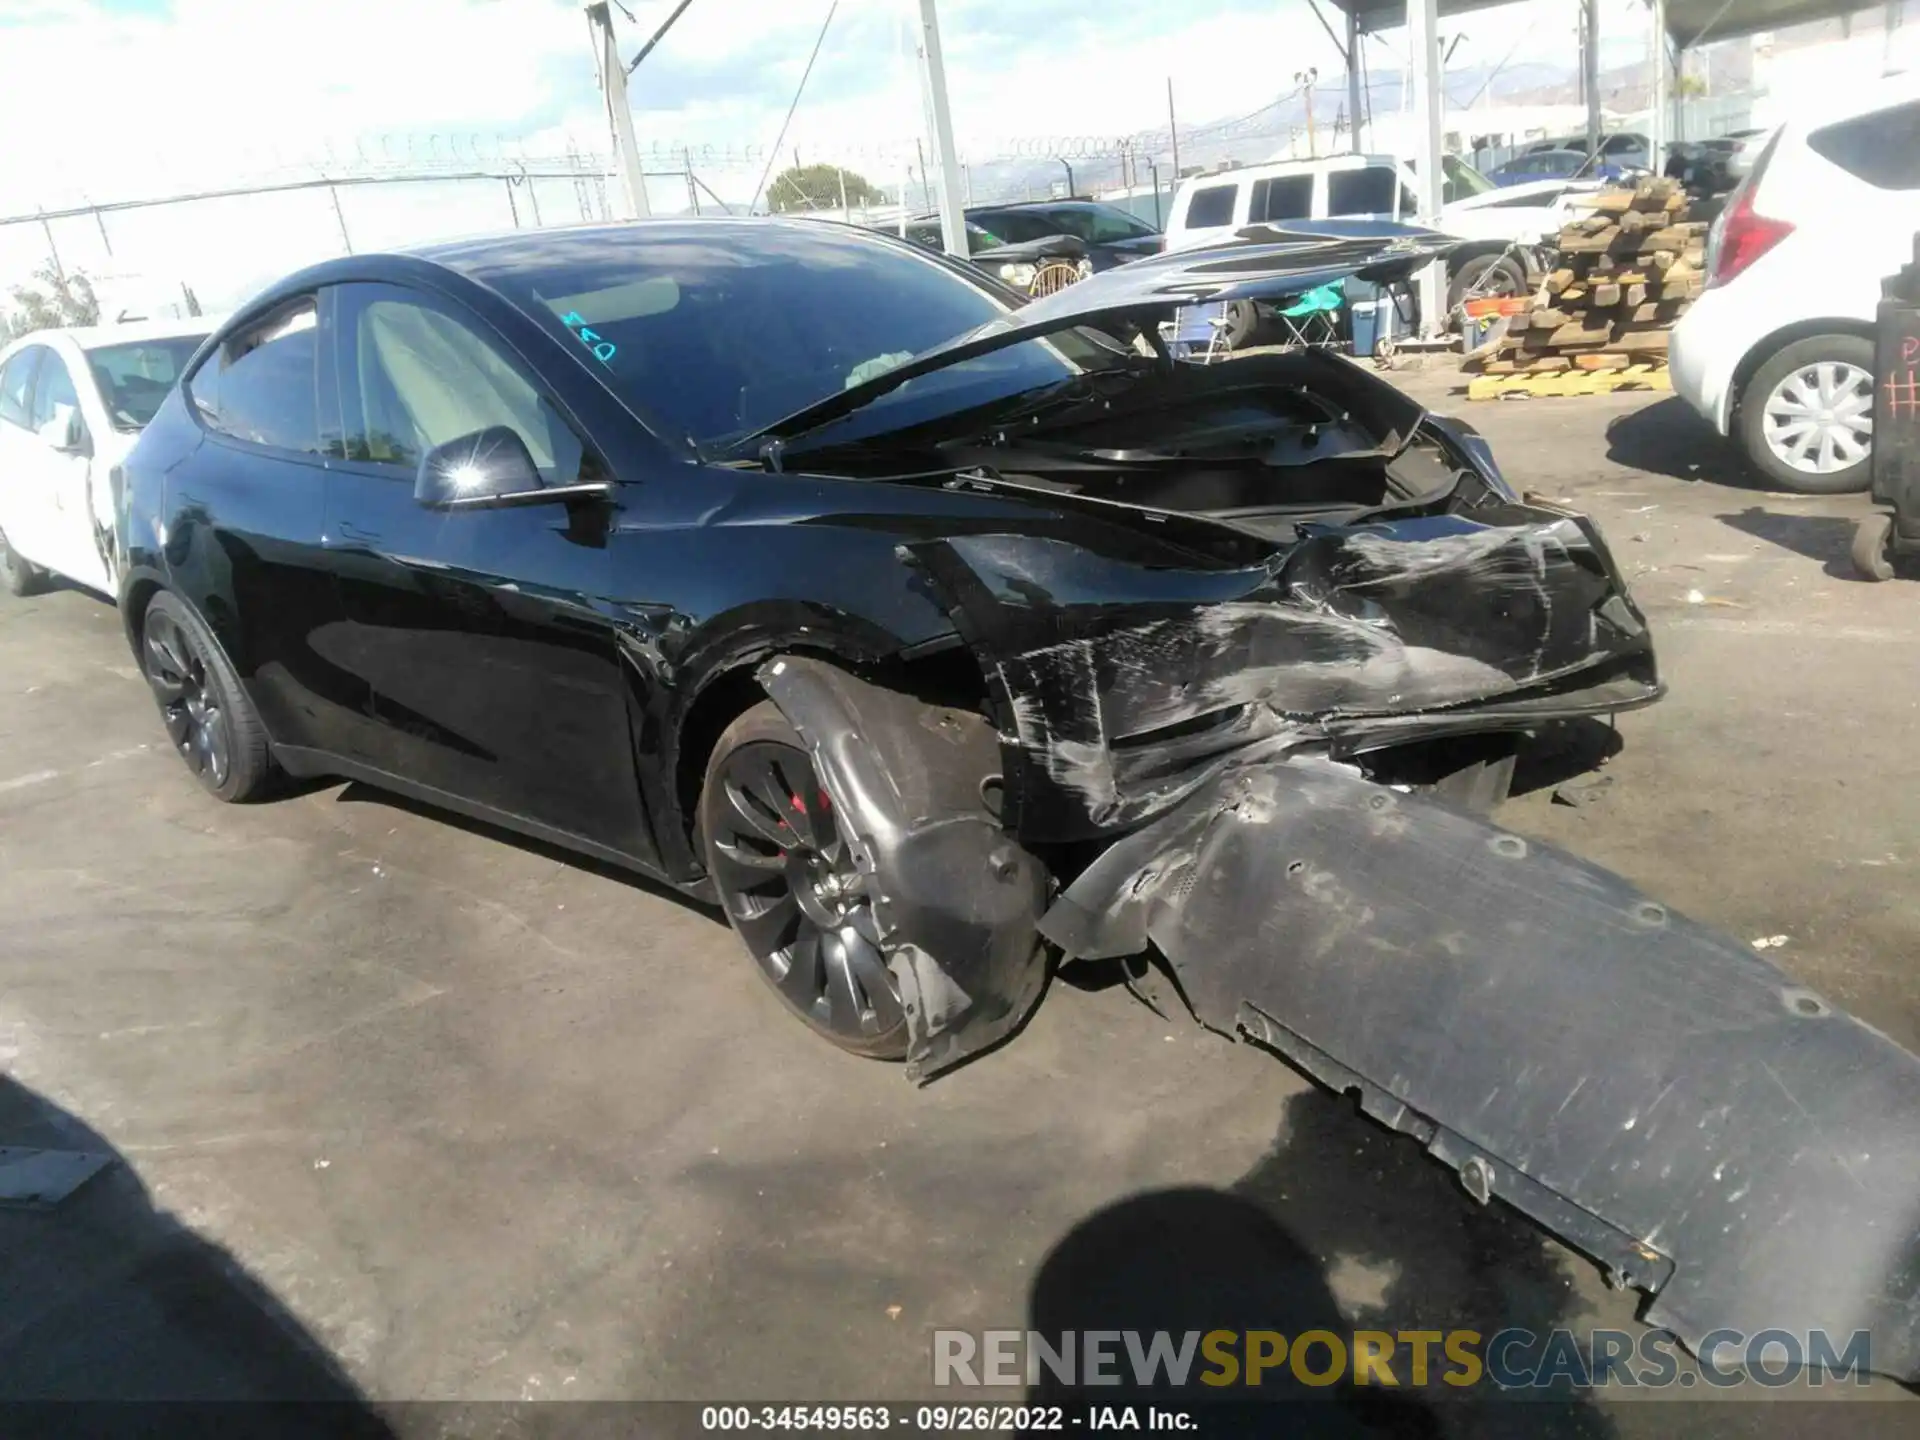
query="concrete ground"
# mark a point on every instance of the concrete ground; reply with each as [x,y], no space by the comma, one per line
[412,1111]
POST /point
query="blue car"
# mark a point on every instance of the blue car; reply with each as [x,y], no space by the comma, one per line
[1552,165]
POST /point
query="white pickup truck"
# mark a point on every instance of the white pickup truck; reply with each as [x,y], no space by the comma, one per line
[1502,226]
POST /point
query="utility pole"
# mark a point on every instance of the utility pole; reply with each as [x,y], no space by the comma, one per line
[1590,69]
[933,78]
[1173,131]
[1304,79]
[613,88]
[1353,78]
[1423,61]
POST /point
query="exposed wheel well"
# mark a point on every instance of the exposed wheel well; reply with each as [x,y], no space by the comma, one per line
[948,676]
[1766,349]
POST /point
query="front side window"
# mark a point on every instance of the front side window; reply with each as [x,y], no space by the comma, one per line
[1109,226]
[1459,180]
[1211,206]
[258,385]
[1882,149]
[1021,226]
[16,385]
[414,376]
[55,403]
[133,379]
[1369,191]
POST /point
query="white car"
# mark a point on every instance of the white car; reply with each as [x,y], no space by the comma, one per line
[1778,352]
[1499,224]
[72,402]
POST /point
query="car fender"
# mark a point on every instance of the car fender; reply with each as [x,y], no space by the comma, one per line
[956,898]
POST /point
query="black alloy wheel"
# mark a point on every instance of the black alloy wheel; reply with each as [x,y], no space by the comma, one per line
[208,715]
[196,721]
[792,891]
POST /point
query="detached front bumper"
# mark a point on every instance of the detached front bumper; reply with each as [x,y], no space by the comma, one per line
[1649,1090]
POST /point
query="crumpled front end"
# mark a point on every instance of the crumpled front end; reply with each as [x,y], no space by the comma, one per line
[1124,685]
[1649,1090]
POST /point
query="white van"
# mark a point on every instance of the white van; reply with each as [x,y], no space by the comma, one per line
[1210,209]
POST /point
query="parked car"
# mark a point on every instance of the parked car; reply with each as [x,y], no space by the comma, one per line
[1625,149]
[71,404]
[1503,229]
[813,573]
[1034,267]
[1778,352]
[1552,165]
[1111,235]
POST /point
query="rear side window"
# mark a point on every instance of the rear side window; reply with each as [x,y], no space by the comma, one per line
[1211,205]
[1285,197]
[259,384]
[1882,149]
[16,385]
[1361,192]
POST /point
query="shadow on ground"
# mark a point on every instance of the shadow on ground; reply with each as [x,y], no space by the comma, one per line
[1826,538]
[106,1299]
[1667,438]
[1342,1226]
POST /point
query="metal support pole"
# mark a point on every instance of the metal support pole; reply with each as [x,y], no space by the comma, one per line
[1423,62]
[1173,131]
[53,250]
[693,193]
[933,77]
[101,221]
[513,205]
[613,88]
[1353,79]
[1069,169]
[1661,128]
[1590,68]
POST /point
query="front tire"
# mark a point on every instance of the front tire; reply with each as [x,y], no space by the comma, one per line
[19,575]
[786,877]
[1806,416]
[208,716]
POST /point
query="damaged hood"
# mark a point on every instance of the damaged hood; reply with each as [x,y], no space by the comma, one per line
[1264,263]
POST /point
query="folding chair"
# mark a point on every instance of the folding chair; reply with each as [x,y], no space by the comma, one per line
[1314,319]
[1199,328]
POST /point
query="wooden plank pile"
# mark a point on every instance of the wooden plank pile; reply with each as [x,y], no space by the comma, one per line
[1626,272]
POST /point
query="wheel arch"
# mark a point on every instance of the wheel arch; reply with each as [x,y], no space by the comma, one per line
[1770,345]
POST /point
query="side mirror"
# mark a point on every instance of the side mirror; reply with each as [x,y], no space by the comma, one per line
[489,467]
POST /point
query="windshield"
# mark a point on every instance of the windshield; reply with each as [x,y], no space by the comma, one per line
[134,378]
[1458,180]
[714,331]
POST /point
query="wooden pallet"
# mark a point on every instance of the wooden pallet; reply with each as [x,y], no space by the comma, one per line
[1569,382]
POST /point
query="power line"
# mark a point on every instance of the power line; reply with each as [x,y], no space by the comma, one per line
[774,154]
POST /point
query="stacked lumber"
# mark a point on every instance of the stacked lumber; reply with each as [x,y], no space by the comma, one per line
[1626,271]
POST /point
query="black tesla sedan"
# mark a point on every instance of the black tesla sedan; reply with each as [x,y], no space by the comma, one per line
[514,525]
[936,636]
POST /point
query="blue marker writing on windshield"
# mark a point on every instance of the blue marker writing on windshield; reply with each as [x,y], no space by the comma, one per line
[603,350]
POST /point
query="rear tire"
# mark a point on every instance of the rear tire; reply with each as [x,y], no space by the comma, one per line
[1812,405]
[1243,324]
[1485,275]
[785,875]
[208,716]
[20,575]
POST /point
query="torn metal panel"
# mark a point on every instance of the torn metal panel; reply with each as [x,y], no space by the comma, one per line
[957,900]
[1652,1091]
[1121,682]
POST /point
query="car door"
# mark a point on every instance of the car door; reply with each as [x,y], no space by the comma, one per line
[245,515]
[64,461]
[481,634]
[26,486]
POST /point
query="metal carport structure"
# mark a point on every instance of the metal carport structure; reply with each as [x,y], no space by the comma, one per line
[1684,24]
